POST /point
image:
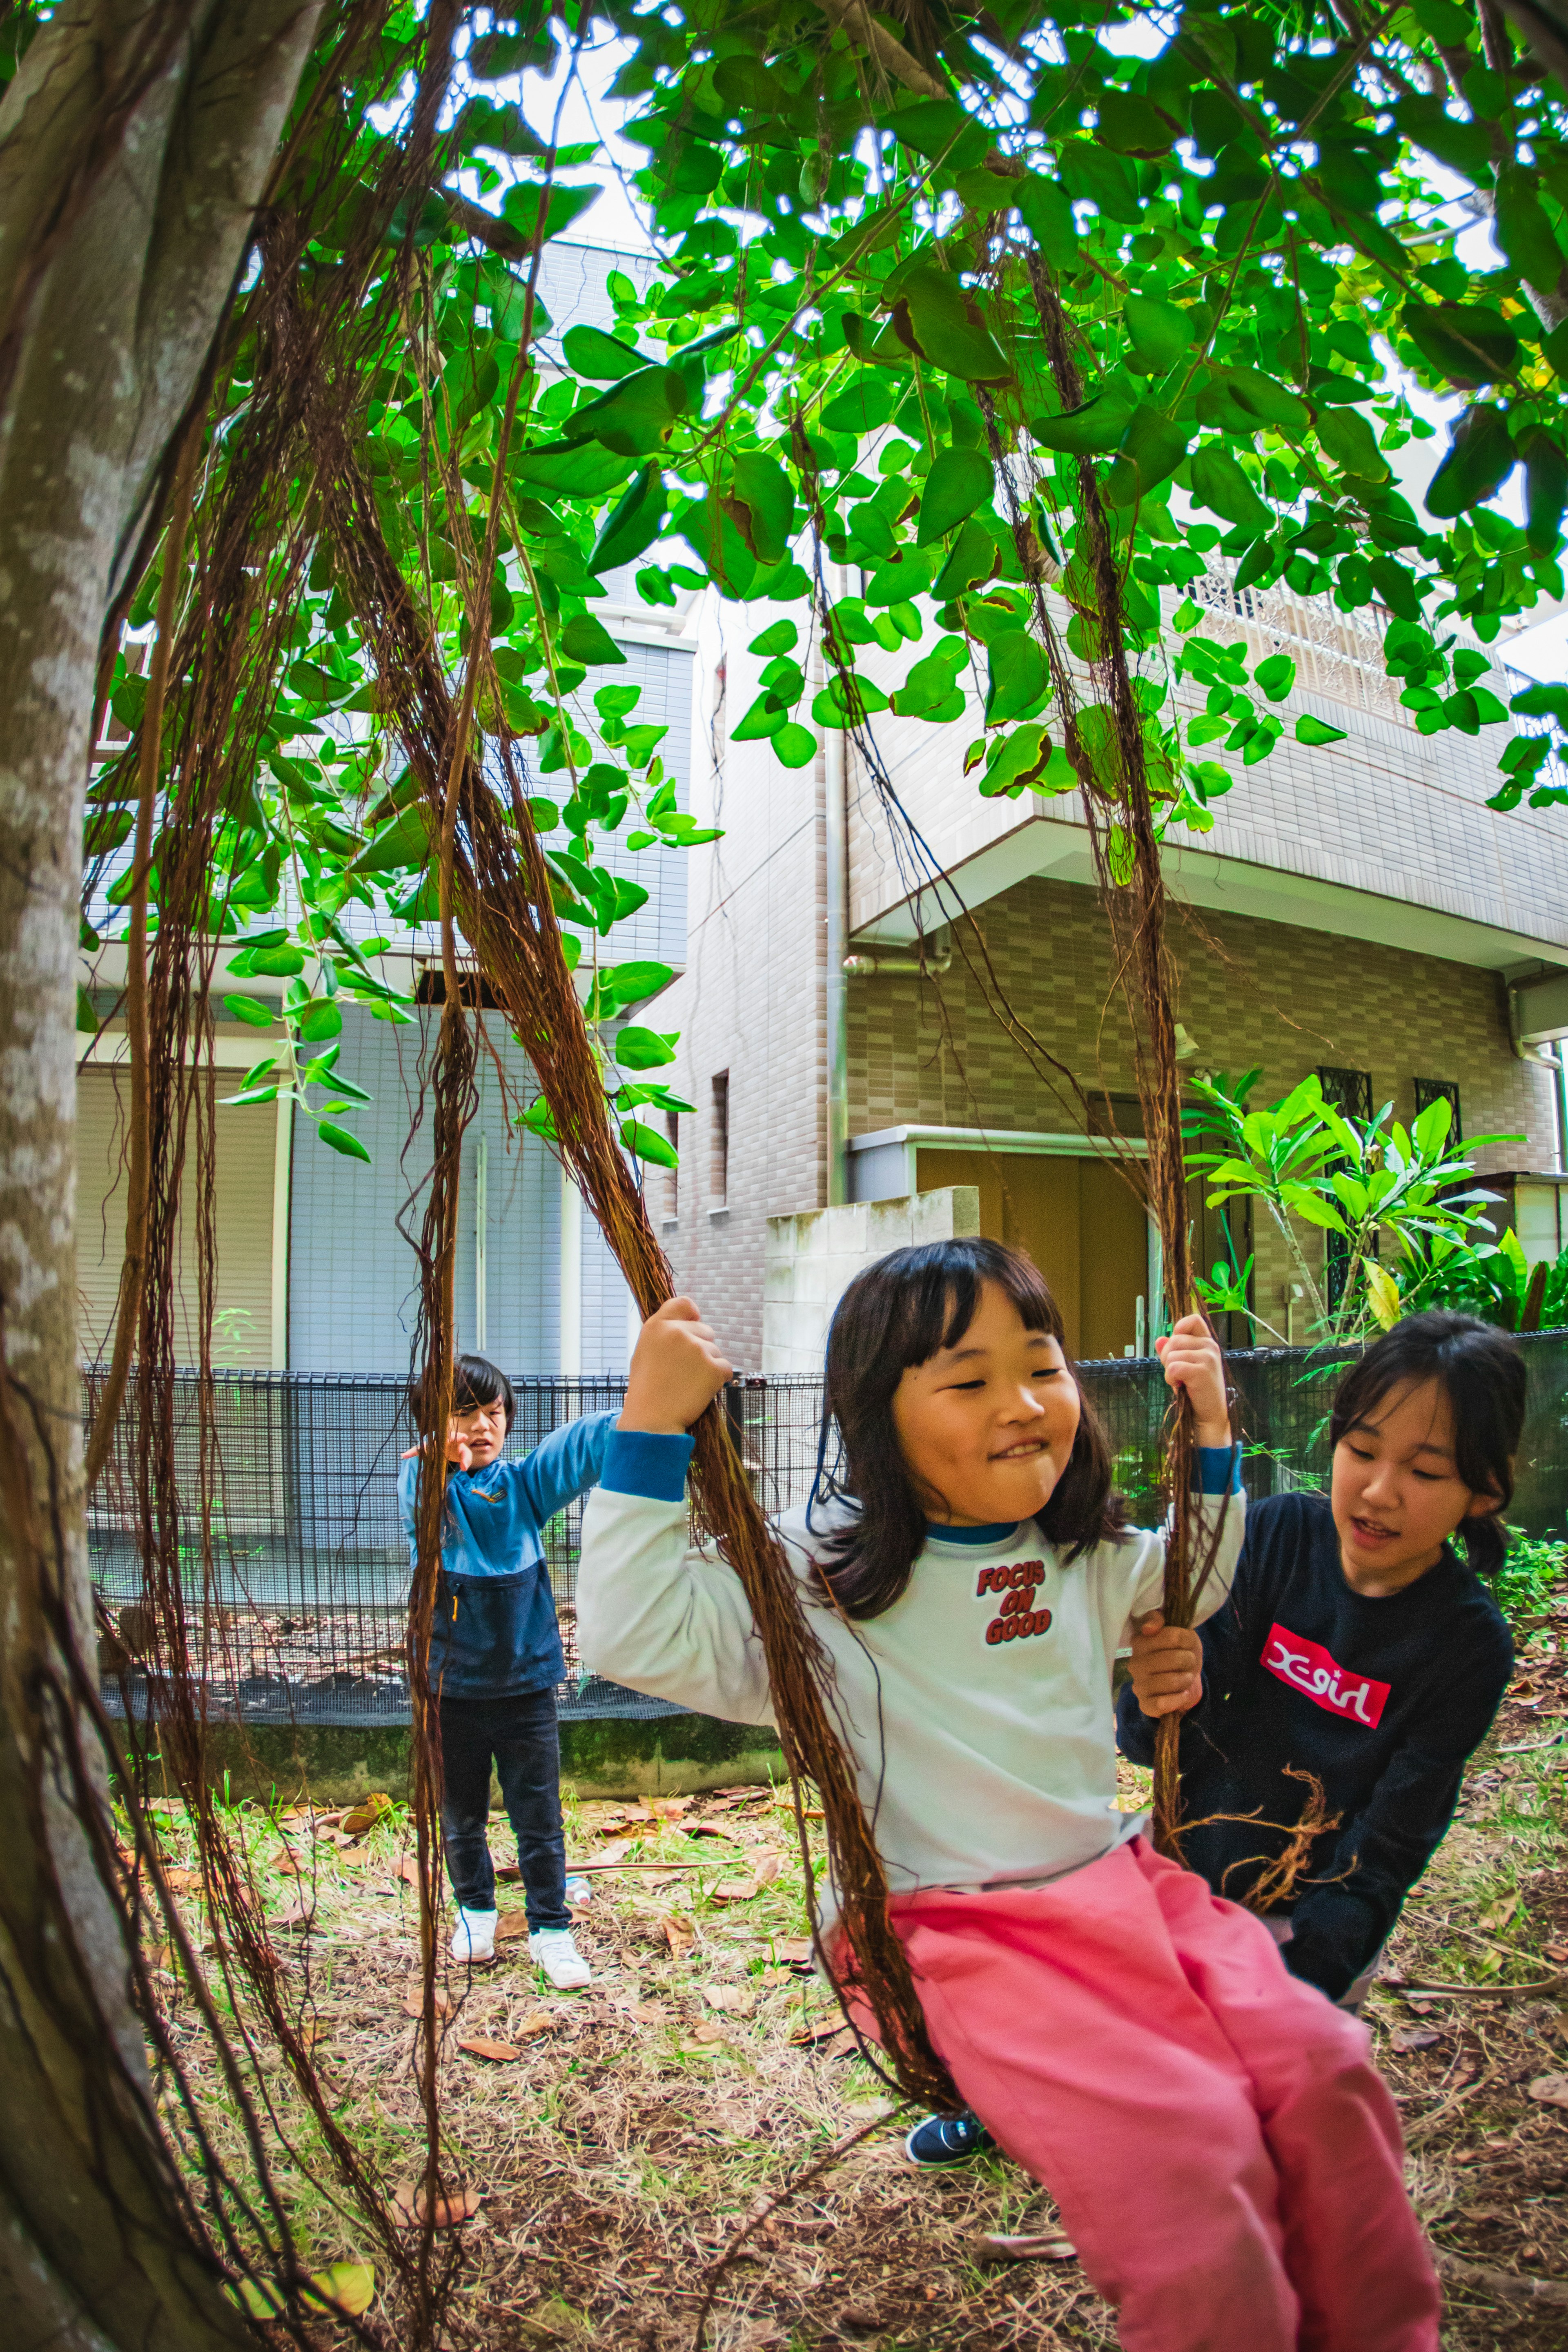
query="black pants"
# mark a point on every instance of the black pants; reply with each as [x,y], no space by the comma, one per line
[522,1735]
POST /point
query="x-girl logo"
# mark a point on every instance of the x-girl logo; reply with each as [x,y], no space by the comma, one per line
[1308,1668]
[1018,1585]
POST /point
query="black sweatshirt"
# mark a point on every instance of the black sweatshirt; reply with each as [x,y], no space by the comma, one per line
[1383,1700]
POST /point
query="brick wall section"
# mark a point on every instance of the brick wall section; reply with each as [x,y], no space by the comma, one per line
[1251,992]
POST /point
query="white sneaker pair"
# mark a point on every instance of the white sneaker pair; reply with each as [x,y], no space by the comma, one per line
[551,1949]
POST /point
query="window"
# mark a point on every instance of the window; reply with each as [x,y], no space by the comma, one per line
[672,1175]
[718,1144]
[1350,1091]
[1431,1090]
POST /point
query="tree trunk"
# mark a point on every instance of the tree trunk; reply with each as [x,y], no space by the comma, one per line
[134,144]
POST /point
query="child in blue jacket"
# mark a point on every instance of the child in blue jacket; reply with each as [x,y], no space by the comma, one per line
[496,1657]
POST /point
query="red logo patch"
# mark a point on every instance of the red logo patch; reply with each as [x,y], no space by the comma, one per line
[1306,1666]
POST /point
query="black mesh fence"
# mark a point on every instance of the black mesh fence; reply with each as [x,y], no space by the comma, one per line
[298,1594]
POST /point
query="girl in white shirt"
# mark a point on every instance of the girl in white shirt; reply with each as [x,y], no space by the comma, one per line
[1219,2146]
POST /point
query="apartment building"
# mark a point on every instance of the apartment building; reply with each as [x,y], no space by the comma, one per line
[1357,910]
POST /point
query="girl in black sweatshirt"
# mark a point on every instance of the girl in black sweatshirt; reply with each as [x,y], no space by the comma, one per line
[1357,1645]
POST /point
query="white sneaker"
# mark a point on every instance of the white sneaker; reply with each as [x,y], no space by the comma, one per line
[553,1950]
[474,1940]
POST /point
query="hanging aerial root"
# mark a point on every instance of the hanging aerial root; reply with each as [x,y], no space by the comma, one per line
[500,888]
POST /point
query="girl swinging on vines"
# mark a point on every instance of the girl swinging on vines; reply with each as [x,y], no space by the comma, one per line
[1220,2147]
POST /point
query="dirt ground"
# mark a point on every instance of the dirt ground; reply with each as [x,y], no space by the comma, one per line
[637,2124]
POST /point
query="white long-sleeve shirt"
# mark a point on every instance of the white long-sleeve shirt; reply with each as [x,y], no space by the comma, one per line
[985,1758]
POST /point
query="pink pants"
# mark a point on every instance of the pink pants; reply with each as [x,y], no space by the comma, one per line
[1222,2150]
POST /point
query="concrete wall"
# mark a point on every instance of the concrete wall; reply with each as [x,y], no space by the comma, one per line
[751,1002]
[812,1258]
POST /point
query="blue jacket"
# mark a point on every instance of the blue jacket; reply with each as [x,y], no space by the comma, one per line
[495,1634]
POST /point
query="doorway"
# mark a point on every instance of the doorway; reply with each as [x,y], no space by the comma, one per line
[1079,1219]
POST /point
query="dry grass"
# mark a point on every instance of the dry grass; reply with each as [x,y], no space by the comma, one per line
[619,2152]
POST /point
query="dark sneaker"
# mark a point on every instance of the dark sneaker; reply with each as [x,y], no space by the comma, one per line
[947,2139]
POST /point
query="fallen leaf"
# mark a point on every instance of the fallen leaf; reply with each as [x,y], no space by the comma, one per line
[346,2286]
[508,1869]
[736,1890]
[843,2044]
[181,1882]
[708,1829]
[286,1861]
[1418,2006]
[1499,1914]
[1558,1952]
[460,2206]
[735,1999]
[863,2318]
[797,1954]
[363,1817]
[414,2001]
[1552,2090]
[766,1868]
[710,2032]
[1413,2037]
[510,1926]
[536,2020]
[680,1933]
[295,1915]
[820,2030]
[501,2053]
[655,1878]
[1049,2245]
[604,1858]
[406,1869]
[669,1808]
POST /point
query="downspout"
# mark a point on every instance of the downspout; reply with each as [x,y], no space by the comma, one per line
[836,940]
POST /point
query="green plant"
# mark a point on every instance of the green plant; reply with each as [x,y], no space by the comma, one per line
[1532,1576]
[1365,1181]
[1493,1280]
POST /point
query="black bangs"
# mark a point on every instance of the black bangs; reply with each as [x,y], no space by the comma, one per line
[898,1313]
[1481,1372]
[933,1292]
[474,1381]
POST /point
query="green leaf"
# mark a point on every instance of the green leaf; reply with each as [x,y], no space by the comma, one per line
[1159,334]
[1095,175]
[764,717]
[1151,448]
[794,746]
[1275,676]
[1520,227]
[521,207]
[586,639]
[86,1018]
[1020,680]
[251,1010]
[629,983]
[646,1143]
[1396,586]
[399,847]
[1219,484]
[1315,731]
[1085,432]
[1465,342]
[938,320]
[1545,489]
[645,1049]
[1480,460]
[1349,441]
[635,418]
[603,358]
[632,523]
[1020,759]
[959,481]
[317,1019]
[760,502]
[339,1138]
[1048,215]
[779,637]
[567,468]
